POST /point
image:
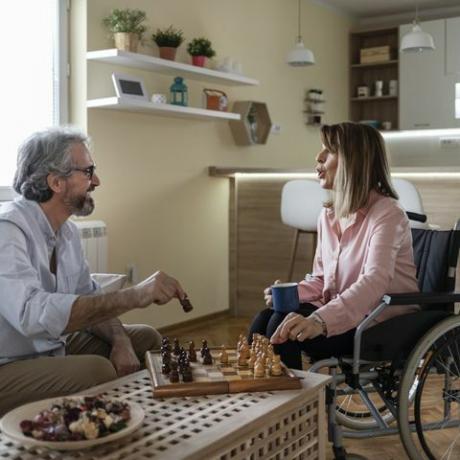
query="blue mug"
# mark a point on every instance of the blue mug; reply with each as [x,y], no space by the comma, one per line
[285,297]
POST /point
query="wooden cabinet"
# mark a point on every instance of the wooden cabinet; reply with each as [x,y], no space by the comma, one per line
[376,106]
[427,94]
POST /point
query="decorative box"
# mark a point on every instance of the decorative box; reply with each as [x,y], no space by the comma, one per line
[374,54]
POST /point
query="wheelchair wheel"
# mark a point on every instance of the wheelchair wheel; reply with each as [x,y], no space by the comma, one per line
[434,369]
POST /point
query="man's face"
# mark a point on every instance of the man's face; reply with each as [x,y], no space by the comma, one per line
[80,183]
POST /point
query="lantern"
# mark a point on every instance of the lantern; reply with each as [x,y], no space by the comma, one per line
[179,92]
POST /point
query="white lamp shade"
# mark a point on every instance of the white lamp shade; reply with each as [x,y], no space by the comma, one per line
[417,41]
[300,56]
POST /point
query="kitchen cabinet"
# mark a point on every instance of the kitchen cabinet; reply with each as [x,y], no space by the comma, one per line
[427,93]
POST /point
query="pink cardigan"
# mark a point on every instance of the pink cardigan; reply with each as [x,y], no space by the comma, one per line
[350,274]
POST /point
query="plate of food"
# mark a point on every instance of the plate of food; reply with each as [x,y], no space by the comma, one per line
[70,423]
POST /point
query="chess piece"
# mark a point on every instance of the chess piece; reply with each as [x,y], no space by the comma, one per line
[252,360]
[204,347]
[186,305]
[192,352]
[165,368]
[187,375]
[223,356]
[173,374]
[259,369]
[275,367]
[176,349]
[240,341]
[207,358]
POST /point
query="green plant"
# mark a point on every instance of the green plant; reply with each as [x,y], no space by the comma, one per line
[170,37]
[126,20]
[200,47]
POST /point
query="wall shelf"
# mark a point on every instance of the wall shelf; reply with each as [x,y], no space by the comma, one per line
[158,65]
[116,103]
[372,98]
[376,64]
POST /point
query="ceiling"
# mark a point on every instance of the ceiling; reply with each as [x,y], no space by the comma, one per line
[372,8]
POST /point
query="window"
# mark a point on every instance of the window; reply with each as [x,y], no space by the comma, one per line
[33,82]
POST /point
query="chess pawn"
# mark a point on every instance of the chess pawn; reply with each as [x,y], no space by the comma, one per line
[242,360]
[259,369]
[176,349]
[165,368]
[192,352]
[207,358]
[244,350]
[204,347]
[275,367]
[223,356]
[173,374]
[252,361]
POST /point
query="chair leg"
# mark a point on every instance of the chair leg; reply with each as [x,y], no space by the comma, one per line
[293,254]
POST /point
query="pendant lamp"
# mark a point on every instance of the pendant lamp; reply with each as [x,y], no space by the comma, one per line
[299,56]
[417,41]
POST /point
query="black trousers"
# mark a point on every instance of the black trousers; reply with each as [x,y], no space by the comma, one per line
[320,347]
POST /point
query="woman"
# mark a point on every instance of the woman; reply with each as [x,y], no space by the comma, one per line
[364,250]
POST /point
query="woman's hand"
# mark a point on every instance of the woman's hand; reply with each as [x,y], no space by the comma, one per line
[268,294]
[296,327]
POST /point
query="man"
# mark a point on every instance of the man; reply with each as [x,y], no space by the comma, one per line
[58,333]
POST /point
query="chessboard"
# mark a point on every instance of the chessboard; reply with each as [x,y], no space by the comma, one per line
[217,378]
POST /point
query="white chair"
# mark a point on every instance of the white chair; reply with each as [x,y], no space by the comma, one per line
[411,201]
[301,203]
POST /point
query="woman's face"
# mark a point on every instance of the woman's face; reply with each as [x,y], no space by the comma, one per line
[326,167]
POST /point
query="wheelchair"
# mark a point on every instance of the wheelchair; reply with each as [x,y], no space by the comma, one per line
[404,375]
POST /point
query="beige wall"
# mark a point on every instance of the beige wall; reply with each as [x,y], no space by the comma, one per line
[161,208]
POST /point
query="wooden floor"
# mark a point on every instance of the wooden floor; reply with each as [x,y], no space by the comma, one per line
[226,329]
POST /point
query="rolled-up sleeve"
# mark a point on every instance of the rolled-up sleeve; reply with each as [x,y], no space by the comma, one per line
[25,305]
[347,309]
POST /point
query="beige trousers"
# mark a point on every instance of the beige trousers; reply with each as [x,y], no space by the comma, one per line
[86,364]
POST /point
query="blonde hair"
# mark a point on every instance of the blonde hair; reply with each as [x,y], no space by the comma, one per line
[362,166]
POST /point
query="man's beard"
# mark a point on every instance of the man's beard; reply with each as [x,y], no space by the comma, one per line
[82,205]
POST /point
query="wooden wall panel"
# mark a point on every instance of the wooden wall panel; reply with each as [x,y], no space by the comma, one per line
[260,245]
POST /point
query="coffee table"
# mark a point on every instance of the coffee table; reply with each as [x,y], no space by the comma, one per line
[264,425]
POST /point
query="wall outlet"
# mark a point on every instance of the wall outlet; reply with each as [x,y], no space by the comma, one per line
[132,273]
[275,129]
[449,142]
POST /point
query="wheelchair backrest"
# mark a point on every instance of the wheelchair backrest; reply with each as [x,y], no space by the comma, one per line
[436,256]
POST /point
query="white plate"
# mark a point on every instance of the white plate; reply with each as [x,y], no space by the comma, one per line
[9,425]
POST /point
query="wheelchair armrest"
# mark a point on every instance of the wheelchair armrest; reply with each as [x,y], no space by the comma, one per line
[421,298]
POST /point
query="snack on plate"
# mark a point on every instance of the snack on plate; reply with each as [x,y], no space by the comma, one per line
[78,419]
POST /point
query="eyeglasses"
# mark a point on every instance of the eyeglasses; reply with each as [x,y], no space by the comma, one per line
[89,171]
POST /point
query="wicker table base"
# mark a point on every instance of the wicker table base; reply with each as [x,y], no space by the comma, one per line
[266,425]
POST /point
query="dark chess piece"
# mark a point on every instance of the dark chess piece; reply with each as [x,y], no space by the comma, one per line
[165,368]
[176,349]
[186,305]
[207,358]
[192,352]
[166,357]
[165,340]
[173,374]
[204,347]
[187,375]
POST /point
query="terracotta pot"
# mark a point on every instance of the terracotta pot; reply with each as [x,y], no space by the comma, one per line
[168,52]
[199,61]
[126,41]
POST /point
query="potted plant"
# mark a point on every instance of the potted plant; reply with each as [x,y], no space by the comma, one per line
[126,27]
[200,49]
[168,40]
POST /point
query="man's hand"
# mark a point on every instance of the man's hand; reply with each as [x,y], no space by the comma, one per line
[268,294]
[159,288]
[296,327]
[123,358]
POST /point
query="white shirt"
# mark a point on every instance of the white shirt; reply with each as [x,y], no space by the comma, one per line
[35,304]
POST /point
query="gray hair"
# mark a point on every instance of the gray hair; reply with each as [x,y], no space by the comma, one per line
[45,152]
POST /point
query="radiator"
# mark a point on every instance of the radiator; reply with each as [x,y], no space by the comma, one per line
[94,241]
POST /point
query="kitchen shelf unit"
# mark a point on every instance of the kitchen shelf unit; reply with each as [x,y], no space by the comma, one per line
[164,66]
[380,108]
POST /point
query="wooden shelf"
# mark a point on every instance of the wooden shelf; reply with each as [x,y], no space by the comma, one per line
[158,65]
[375,64]
[372,98]
[116,103]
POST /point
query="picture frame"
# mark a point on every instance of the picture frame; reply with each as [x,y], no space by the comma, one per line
[129,86]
